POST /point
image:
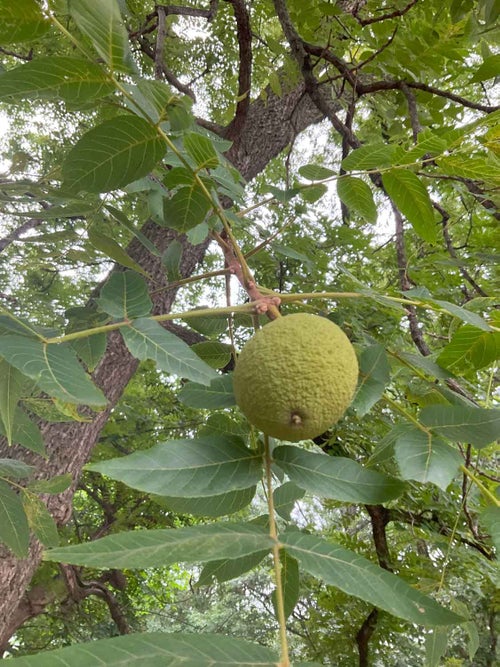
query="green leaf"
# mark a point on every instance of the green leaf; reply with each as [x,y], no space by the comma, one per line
[21,21]
[358,197]
[293,254]
[219,394]
[90,350]
[14,529]
[285,497]
[171,260]
[312,193]
[12,384]
[102,23]
[428,144]
[459,312]
[26,433]
[375,374]
[155,649]
[371,156]
[220,423]
[470,346]
[54,368]
[227,569]
[475,426]
[113,154]
[465,166]
[336,477]
[490,517]
[357,576]
[39,520]
[54,485]
[147,339]
[489,69]
[315,172]
[411,197]
[73,80]
[186,209]
[202,151]
[140,549]
[15,469]
[436,642]
[125,296]
[209,506]
[151,99]
[426,459]
[473,642]
[112,249]
[425,364]
[213,353]
[205,466]
[122,219]
[290,583]
[209,326]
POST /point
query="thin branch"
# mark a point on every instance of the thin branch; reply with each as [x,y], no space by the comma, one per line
[433,522]
[412,111]
[179,10]
[19,56]
[451,250]
[406,284]
[379,86]
[384,17]
[16,234]
[149,51]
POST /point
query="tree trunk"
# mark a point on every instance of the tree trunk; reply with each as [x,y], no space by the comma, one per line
[270,126]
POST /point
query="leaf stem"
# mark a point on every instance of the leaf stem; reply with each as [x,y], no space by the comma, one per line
[273,533]
[484,490]
[407,415]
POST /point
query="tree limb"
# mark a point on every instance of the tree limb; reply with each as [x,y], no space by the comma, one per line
[244,32]
[384,17]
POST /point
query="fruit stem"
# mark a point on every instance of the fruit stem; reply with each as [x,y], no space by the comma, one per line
[273,533]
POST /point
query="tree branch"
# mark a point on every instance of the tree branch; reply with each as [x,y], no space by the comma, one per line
[161,33]
[380,86]
[379,517]
[16,234]
[384,17]
[149,51]
[312,86]
[405,283]
[245,67]
[451,250]
[179,10]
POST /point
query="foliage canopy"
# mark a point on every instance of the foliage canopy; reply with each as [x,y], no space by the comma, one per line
[172,177]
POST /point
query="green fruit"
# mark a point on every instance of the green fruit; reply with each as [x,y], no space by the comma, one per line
[296,377]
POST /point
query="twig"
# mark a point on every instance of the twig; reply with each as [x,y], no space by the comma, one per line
[384,17]
[190,11]
[451,250]
[379,86]
[16,234]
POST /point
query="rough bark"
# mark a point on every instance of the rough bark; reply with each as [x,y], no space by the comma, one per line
[271,124]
